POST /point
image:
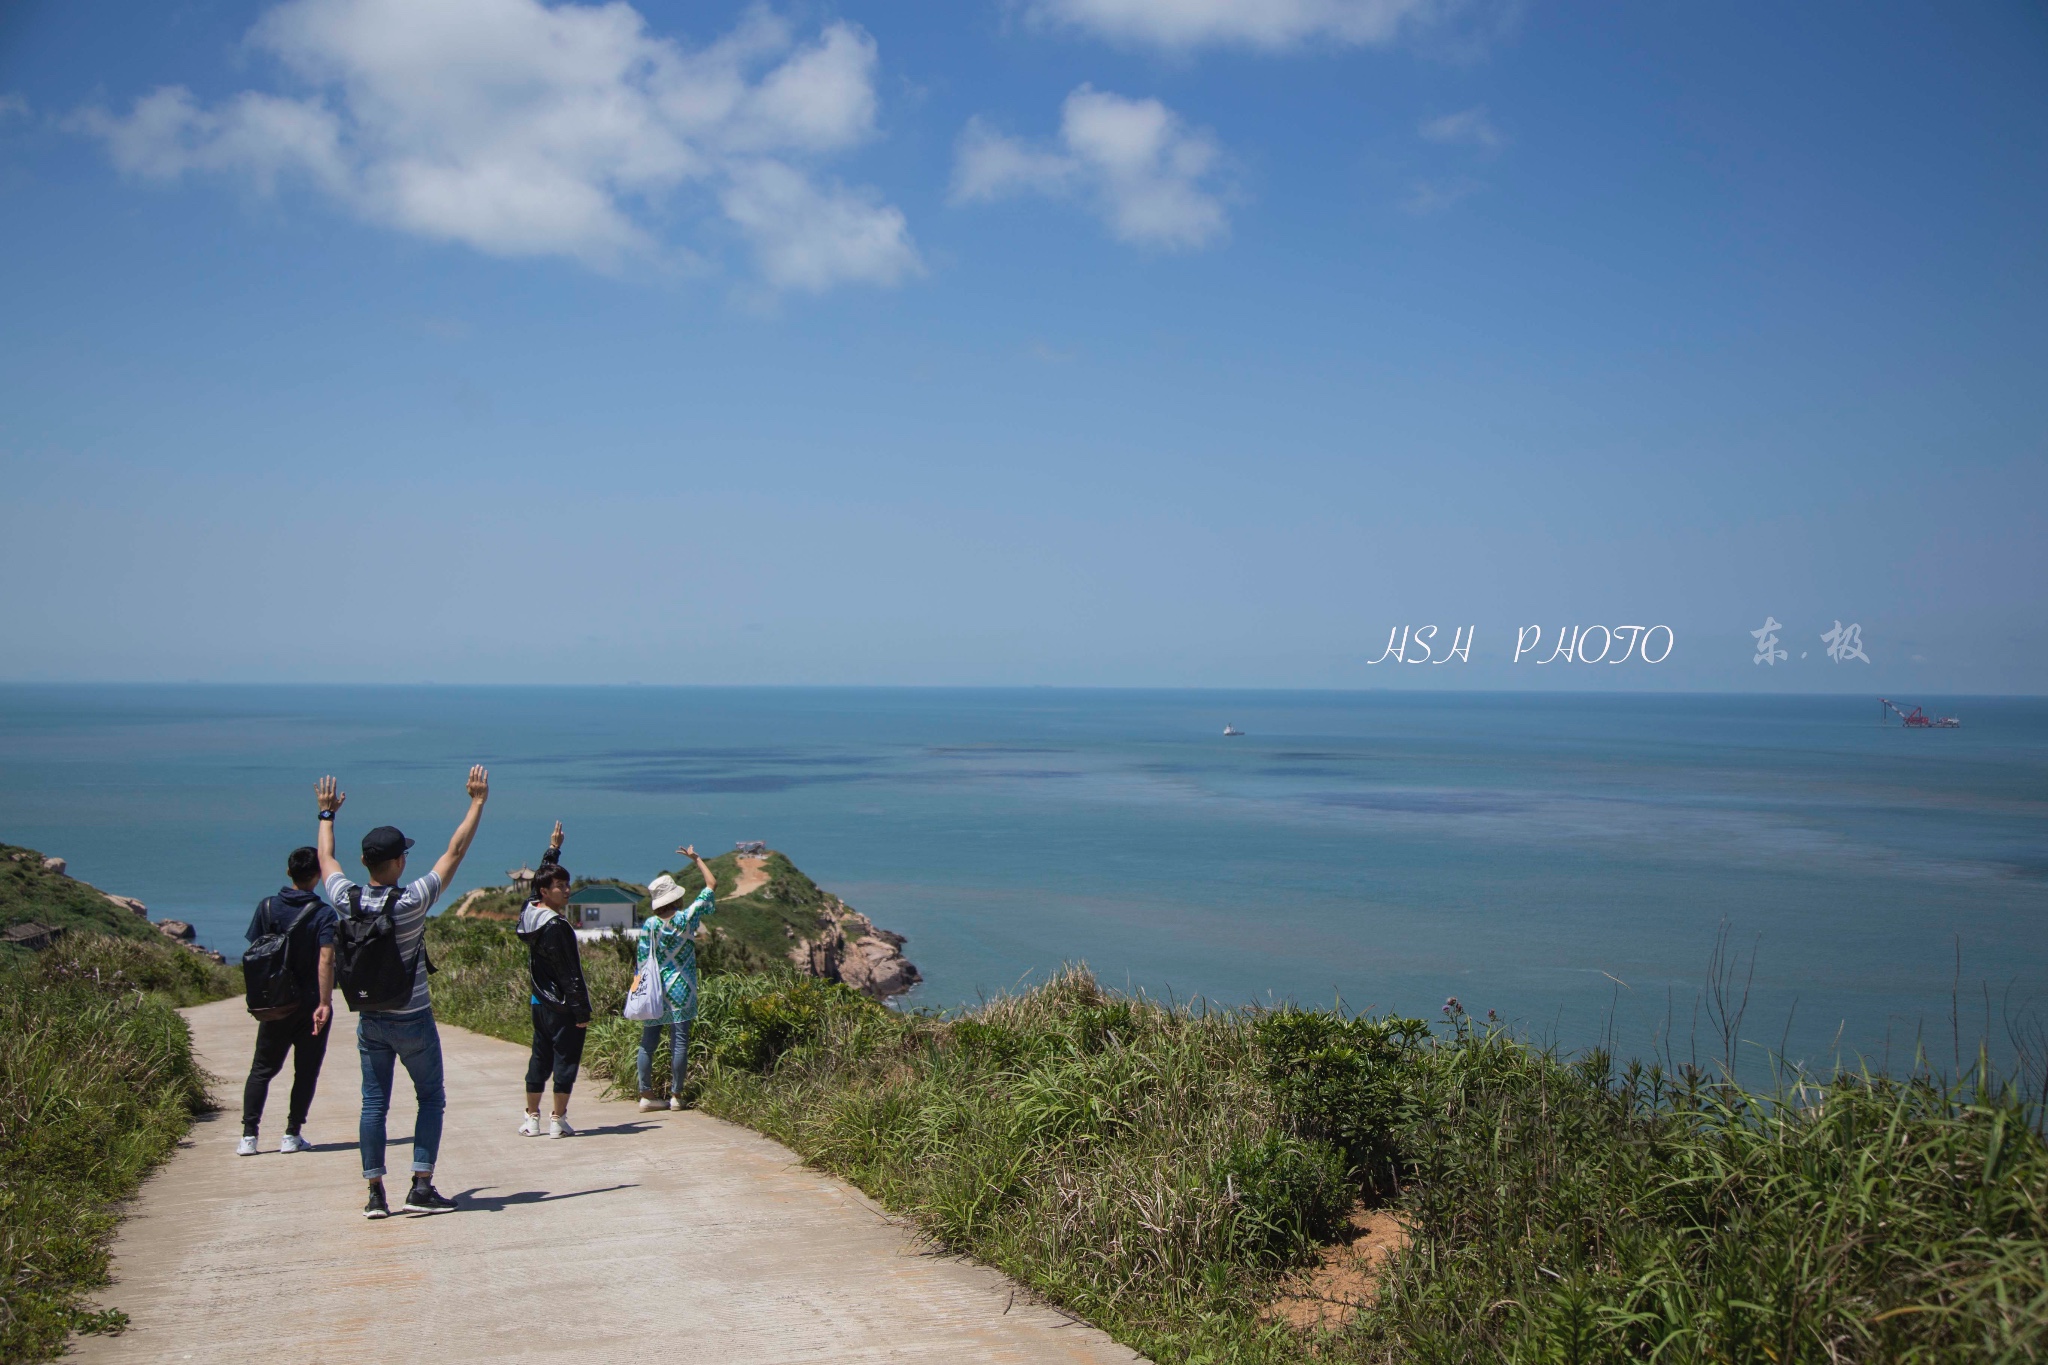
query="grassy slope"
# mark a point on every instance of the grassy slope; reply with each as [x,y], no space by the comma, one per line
[27,893]
[97,1085]
[761,927]
[1160,1171]
[1157,1171]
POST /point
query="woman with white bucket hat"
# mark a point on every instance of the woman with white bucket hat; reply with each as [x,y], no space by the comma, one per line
[668,947]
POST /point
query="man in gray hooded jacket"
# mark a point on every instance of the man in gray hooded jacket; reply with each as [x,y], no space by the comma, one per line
[561,1001]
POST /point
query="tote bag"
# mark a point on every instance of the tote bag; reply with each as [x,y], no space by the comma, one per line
[647,1003]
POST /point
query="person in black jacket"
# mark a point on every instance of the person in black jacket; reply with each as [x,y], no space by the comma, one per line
[561,1002]
[302,1036]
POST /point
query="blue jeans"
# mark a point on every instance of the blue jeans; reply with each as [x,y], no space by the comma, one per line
[678,1055]
[384,1039]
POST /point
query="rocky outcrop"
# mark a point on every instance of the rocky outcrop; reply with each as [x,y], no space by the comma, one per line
[128,903]
[849,948]
[54,866]
[186,937]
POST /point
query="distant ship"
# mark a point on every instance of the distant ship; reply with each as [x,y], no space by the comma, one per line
[1916,719]
[1229,730]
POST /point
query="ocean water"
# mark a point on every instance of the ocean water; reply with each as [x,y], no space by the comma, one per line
[1567,862]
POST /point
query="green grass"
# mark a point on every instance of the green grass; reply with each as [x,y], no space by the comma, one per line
[1158,1171]
[97,1085]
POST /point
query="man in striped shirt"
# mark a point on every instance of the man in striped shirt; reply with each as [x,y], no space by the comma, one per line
[406,1034]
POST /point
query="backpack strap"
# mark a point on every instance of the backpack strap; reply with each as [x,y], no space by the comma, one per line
[390,907]
[302,917]
[355,902]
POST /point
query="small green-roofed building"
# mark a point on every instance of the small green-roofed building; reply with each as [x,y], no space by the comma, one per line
[601,909]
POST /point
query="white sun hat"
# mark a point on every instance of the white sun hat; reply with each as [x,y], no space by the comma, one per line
[665,891]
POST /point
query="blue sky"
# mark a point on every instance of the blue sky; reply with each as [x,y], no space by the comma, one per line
[1121,342]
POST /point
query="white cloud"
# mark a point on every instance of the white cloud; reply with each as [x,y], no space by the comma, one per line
[522,128]
[1270,24]
[12,104]
[1470,127]
[812,238]
[1142,170]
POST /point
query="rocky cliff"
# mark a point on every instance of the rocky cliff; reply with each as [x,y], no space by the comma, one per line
[849,948]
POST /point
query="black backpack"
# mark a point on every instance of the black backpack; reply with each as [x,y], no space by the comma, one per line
[368,967]
[274,988]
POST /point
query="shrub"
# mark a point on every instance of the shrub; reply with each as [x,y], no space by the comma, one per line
[1285,1198]
[1348,1082]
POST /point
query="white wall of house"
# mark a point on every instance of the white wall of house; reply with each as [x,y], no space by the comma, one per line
[603,918]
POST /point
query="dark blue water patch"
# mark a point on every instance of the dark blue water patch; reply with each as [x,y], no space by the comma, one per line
[977,750]
[650,782]
[733,757]
[1425,802]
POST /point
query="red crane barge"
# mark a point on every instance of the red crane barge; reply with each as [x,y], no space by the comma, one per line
[1916,719]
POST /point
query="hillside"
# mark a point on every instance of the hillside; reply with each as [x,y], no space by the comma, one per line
[783,919]
[786,918]
[771,918]
[29,894]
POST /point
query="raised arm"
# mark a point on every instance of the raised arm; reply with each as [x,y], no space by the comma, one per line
[553,857]
[710,877]
[330,801]
[458,844]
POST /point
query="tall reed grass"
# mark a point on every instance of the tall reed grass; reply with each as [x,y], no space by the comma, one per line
[97,1085]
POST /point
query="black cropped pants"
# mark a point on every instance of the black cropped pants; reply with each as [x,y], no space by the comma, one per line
[557,1048]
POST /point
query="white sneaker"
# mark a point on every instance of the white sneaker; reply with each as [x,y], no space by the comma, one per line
[674,1103]
[247,1146]
[530,1126]
[559,1127]
[295,1142]
[648,1104]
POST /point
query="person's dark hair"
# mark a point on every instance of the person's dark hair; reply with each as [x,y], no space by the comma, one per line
[303,865]
[548,876]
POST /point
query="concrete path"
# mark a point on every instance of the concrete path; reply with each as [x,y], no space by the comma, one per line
[673,1235]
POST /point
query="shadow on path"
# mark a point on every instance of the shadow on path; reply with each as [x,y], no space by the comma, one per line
[497,1203]
[618,1129]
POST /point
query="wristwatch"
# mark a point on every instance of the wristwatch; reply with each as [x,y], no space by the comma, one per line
[326,815]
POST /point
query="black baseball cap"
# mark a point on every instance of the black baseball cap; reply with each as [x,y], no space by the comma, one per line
[383,844]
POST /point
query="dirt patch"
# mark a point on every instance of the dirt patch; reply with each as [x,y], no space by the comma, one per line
[466,908]
[1345,1278]
[753,876]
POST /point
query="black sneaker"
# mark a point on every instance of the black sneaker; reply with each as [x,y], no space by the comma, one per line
[376,1208]
[427,1199]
